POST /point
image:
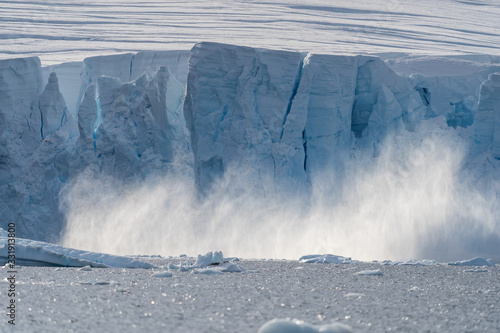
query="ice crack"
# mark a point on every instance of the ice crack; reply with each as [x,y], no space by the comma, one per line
[294,93]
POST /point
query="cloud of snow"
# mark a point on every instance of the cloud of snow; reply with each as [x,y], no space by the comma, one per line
[411,201]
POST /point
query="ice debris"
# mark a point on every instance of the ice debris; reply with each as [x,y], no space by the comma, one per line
[324,259]
[478,261]
[299,326]
[210,263]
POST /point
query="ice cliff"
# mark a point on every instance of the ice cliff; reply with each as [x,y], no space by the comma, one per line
[127,130]
[277,117]
[286,116]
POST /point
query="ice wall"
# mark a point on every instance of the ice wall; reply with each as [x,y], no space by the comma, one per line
[288,116]
[487,119]
[126,130]
[35,135]
[280,119]
[129,66]
[448,86]
[20,84]
[238,109]
[131,129]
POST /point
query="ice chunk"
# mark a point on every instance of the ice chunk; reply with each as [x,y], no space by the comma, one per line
[209,263]
[474,262]
[210,258]
[298,326]
[36,253]
[325,259]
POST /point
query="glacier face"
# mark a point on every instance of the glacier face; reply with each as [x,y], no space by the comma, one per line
[279,119]
[287,116]
[125,130]
[239,112]
[487,125]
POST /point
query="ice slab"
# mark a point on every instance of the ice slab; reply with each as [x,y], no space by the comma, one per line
[35,253]
[478,261]
[209,263]
[325,259]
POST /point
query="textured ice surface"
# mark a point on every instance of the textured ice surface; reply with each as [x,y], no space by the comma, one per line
[287,116]
[131,129]
[405,299]
[33,164]
[123,130]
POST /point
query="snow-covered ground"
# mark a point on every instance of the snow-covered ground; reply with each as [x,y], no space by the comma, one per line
[64,31]
[435,298]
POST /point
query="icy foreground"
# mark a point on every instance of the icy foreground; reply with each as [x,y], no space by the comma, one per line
[405,298]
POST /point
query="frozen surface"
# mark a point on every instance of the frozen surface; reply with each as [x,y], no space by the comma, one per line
[433,298]
[62,31]
[298,326]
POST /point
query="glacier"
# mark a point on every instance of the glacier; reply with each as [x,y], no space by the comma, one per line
[288,123]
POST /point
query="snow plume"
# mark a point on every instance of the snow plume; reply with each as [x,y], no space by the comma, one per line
[413,200]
